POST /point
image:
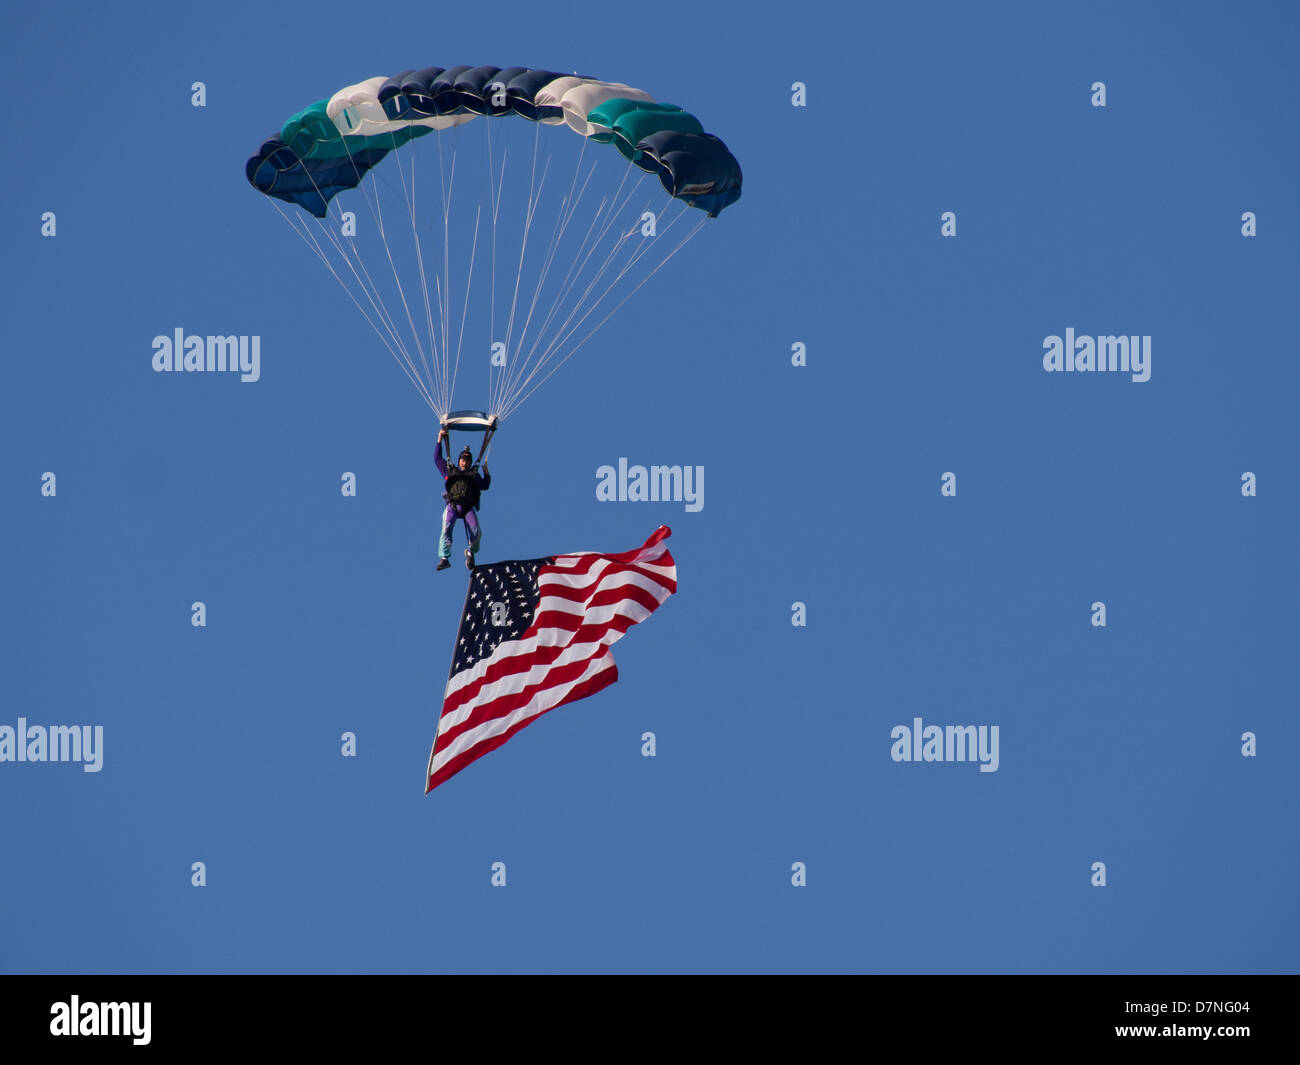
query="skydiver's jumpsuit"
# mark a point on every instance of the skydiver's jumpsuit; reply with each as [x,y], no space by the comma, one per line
[473,533]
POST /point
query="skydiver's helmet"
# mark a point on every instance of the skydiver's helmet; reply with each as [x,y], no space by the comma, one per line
[465,460]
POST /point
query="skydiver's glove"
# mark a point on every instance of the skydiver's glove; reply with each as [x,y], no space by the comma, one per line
[485,470]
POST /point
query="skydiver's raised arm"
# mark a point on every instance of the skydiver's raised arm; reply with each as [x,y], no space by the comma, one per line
[438,460]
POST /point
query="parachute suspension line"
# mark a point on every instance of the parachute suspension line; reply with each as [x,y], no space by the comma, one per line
[424,281]
[561,315]
[576,264]
[610,219]
[448,186]
[607,213]
[469,281]
[391,341]
[304,234]
[494,195]
[534,198]
[635,258]
[568,207]
[685,240]
[354,259]
[377,214]
[491,169]
[639,255]
[494,390]
[371,291]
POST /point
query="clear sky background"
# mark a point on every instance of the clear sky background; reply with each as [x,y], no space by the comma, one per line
[1119,744]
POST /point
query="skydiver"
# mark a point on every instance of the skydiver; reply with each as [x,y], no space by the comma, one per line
[463,487]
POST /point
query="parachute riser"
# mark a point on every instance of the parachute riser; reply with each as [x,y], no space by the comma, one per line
[471,421]
[487,443]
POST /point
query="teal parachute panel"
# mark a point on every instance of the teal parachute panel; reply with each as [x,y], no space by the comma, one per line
[331,145]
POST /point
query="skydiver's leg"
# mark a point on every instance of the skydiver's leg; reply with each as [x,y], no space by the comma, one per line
[473,531]
[448,526]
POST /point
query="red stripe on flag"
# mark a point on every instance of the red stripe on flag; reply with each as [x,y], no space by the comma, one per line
[506,703]
[524,653]
[603,679]
[586,602]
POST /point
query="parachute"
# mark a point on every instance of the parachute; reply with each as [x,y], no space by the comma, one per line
[566,237]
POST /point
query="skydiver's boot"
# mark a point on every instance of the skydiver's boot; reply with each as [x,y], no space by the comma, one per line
[469,558]
[444,563]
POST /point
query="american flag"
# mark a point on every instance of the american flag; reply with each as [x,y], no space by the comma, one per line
[536,635]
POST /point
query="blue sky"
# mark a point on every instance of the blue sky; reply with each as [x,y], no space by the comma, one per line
[1118,744]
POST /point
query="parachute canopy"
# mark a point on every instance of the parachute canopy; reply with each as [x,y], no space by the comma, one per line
[559,235]
[331,145]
